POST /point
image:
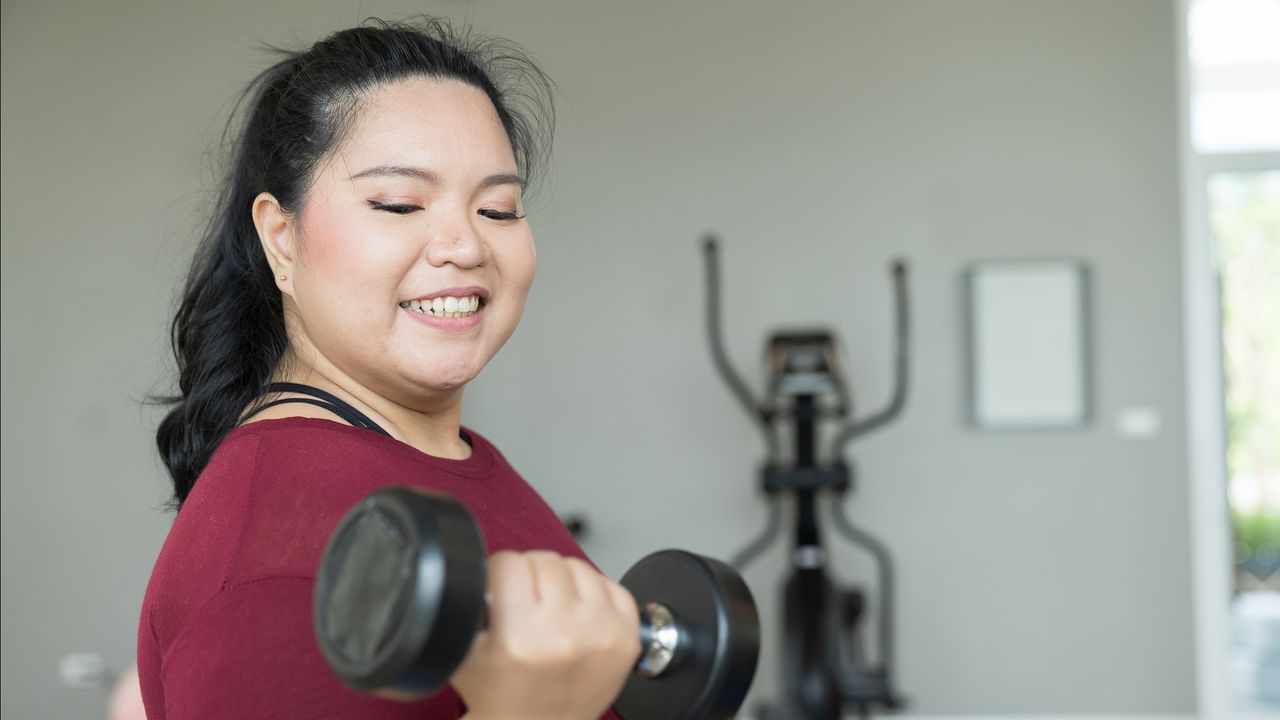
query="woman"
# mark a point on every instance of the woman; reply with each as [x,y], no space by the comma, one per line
[370,250]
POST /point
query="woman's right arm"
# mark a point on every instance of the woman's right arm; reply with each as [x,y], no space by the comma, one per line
[561,641]
[250,652]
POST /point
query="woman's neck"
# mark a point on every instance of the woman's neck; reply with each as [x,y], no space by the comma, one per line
[432,425]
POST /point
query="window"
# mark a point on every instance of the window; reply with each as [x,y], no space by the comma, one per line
[1233,196]
[1235,75]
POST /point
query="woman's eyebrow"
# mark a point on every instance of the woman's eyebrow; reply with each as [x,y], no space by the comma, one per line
[503,179]
[429,177]
[397,171]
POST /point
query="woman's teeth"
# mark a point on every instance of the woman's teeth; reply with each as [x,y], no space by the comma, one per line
[445,306]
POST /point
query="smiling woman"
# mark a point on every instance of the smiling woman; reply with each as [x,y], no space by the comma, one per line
[370,255]
[427,182]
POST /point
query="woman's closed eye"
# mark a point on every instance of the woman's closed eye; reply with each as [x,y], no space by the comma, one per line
[499,214]
[406,208]
[395,208]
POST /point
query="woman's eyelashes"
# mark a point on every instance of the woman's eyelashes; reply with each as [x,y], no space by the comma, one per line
[396,208]
[406,208]
[499,214]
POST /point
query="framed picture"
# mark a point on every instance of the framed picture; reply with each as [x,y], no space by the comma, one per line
[1029,351]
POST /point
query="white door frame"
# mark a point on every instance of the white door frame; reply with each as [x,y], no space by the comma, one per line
[1210,550]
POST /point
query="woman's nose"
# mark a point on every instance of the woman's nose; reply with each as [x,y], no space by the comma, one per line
[457,243]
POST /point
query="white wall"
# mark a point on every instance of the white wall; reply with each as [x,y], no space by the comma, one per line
[1040,573]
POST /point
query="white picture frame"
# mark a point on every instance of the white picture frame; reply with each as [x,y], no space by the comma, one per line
[1028,336]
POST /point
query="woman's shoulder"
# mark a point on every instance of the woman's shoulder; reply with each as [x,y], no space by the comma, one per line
[275,489]
[253,456]
[297,433]
[312,470]
[335,445]
[270,496]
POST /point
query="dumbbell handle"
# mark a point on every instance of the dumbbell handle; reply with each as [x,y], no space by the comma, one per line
[660,638]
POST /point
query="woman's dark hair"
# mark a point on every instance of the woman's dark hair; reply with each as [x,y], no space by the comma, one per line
[228,333]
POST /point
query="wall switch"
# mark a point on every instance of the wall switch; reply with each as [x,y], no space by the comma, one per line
[83,670]
[1138,423]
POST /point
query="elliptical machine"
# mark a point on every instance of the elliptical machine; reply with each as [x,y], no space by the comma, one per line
[825,670]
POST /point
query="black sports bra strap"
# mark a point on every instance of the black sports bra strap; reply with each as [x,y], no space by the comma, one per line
[328,401]
[340,412]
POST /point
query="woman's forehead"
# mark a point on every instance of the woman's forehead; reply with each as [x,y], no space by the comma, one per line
[446,126]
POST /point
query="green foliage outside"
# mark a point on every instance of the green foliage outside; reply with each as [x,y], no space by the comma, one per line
[1258,531]
[1246,222]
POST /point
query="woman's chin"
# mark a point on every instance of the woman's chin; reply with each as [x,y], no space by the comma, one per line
[439,382]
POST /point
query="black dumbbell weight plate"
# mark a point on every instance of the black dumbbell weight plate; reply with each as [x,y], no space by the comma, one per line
[720,630]
[400,591]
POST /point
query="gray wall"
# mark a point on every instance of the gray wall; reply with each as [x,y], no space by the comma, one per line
[1039,572]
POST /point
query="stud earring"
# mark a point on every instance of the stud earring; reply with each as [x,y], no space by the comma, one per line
[282,278]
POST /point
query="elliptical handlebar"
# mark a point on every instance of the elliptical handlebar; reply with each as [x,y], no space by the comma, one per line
[754,409]
[901,345]
[761,414]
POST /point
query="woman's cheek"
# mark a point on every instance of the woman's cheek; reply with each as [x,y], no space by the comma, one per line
[517,278]
[346,280]
[522,263]
[338,243]
[355,257]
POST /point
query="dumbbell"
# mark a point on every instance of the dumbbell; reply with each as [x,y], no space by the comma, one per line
[400,596]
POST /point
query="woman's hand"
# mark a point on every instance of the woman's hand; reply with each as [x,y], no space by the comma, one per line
[561,641]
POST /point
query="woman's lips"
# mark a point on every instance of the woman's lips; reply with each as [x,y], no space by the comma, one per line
[450,324]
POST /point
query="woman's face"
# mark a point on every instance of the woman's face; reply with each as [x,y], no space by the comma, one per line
[410,258]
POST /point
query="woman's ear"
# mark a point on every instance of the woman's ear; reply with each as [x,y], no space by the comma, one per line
[275,232]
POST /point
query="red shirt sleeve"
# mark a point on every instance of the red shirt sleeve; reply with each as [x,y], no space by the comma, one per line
[250,653]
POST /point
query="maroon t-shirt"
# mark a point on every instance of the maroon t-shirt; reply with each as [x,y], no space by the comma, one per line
[226,628]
